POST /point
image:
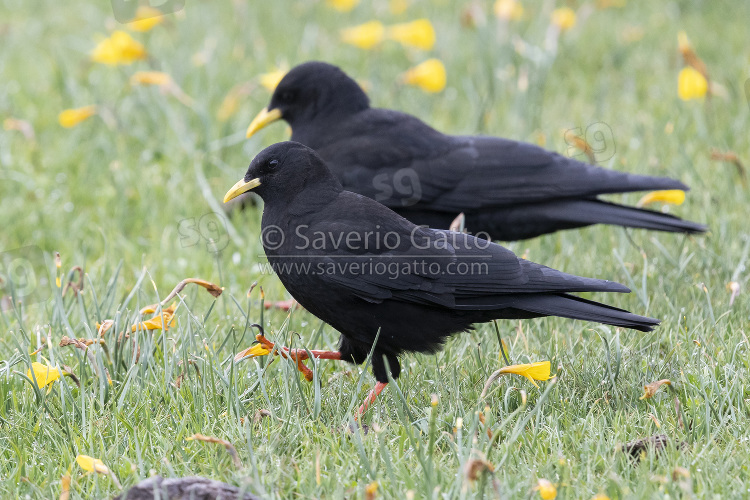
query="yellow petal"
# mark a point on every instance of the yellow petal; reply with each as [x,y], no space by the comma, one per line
[253,352]
[691,84]
[65,490]
[119,48]
[533,371]
[150,78]
[429,76]
[652,388]
[146,18]
[600,496]
[671,196]
[166,319]
[271,80]
[342,5]
[365,36]
[564,18]
[71,117]
[510,10]
[546,489]
[419,34]
[92,464]
[44,374]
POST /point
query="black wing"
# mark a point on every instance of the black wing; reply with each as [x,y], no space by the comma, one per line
[397,260]
[400,161]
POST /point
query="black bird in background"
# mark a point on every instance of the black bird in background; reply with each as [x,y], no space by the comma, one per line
[510,190]
[363,269]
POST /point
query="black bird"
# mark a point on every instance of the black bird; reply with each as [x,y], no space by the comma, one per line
[509,190]
[363,269]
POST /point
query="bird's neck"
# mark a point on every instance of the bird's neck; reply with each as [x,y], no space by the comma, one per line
[319,131]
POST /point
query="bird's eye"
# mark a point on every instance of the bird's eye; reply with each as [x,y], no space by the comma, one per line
[287,96]
[273,164]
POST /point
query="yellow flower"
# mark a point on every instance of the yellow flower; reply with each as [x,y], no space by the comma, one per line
[365,36]
[546,489]
[532,371]
[166,320]
[150,78]
[91,464]
[510,10]
[253,352]
[419,34]
[398,6]
[71,117]
[671,196]
[342,5]
[651,389]
[564,18]
[146,18]
[271,79]
[119,48]
[600,496]
[44,374]
[691,84]
[429,76]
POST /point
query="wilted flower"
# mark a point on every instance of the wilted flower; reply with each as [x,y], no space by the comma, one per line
[671,196]
[91,464]
[146,18]
[651,389]
[691,84]
[546,489]
[342,5]
[166,320]
[151,78]
[71,117]
[419,34]
[119,48]
[532,371]
[564,18]
[43,373]
[365,36]
[371,491]
[429,76]
[508,10]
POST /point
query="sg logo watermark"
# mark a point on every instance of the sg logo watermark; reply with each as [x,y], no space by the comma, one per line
[597,142]
[23,277]
[402,185]
[125,10]
[210,228]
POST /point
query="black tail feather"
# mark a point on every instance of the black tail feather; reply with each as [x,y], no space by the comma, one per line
[571,306]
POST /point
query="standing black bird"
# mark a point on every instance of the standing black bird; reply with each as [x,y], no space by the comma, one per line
[363,269]
[507,189]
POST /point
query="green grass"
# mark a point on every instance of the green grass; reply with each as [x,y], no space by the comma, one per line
[110,195]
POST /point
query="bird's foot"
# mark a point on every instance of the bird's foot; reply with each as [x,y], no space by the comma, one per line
[265,346]
[370,398]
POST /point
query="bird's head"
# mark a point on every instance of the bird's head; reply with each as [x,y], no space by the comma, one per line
[282,171]
[311,91]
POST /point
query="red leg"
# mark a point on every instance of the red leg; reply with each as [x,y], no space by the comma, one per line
[284,305]
[265,346]
[371,397]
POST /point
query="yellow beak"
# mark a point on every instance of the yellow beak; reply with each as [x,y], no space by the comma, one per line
[265,117]
[241,187]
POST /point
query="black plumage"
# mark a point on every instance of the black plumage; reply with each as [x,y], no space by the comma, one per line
[510,190]
[363,269]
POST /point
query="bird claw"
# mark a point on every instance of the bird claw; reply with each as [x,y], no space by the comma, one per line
[265,346]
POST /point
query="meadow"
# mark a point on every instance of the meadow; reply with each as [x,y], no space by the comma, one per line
[130,198]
